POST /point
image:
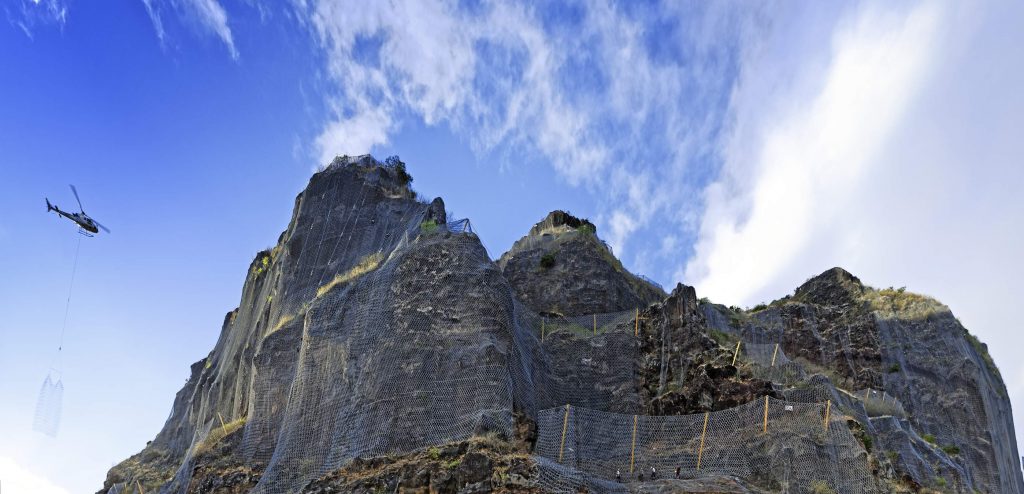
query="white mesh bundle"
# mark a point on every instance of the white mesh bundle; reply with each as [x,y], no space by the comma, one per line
[48,406]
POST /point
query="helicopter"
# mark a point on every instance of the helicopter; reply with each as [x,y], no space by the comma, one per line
[87,226]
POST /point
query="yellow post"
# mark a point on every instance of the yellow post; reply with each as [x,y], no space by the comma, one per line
[736,353]
[565,427]
[765,429]
[700,452]
[632,449]
[222,426]
[137,484]
[636,331]
[595,324]
[828,409]
[867,392]
[774,354]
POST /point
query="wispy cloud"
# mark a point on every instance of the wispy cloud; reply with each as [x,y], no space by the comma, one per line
[30,14]
[602,91]
[208,16]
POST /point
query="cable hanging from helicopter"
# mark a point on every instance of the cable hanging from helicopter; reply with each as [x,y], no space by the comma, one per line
[51,394]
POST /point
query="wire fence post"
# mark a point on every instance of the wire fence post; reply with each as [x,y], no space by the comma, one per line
[139,486]
[222,426]
[736,353]
[636,329]
[774,354]
[703,434]
[632,449]
[828,409]
[565,428]
[765,427]
[595,324]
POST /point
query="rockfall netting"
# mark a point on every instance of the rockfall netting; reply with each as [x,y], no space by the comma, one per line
[795,447]
[771,363]
[385,332]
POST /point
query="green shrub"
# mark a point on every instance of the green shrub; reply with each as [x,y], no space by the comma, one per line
[428,227]
[940,481]
[951,449]
[723,339]
[434,453]
[928,437]
[395,163]
[587,229]
[894,368]
[547,261]
[761,306]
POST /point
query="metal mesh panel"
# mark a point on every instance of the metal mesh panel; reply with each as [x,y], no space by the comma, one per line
[48,407]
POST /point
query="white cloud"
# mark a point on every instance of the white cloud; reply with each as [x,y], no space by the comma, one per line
[211,15]
[589,95]
[896,155]
[792,175]
[18,480]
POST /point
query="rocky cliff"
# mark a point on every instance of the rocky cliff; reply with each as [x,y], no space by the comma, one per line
[376,350]
[562,267]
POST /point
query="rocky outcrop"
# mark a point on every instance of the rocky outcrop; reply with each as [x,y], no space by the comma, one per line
[562,267]
[909,347]
[374,350]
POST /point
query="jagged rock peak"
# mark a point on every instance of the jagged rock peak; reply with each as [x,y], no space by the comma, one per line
[559,220]
[835,286]
[390,177]
[562,267]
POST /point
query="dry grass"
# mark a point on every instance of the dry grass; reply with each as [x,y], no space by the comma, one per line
[285,319]
[217,434]
[365,265]
[902,304]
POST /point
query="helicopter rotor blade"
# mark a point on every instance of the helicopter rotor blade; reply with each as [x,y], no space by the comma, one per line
[101,226]
[80,208]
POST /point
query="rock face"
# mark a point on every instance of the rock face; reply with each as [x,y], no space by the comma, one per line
[562,267]
[374,350]
[957,432]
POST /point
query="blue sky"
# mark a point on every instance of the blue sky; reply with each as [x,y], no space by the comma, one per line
[737,148]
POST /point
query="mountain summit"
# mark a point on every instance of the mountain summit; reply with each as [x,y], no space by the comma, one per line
[378,348]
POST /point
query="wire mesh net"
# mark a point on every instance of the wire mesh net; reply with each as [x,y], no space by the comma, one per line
[380,332]
[764,441]
[48,406]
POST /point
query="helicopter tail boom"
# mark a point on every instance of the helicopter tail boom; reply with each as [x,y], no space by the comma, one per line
[50,207]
